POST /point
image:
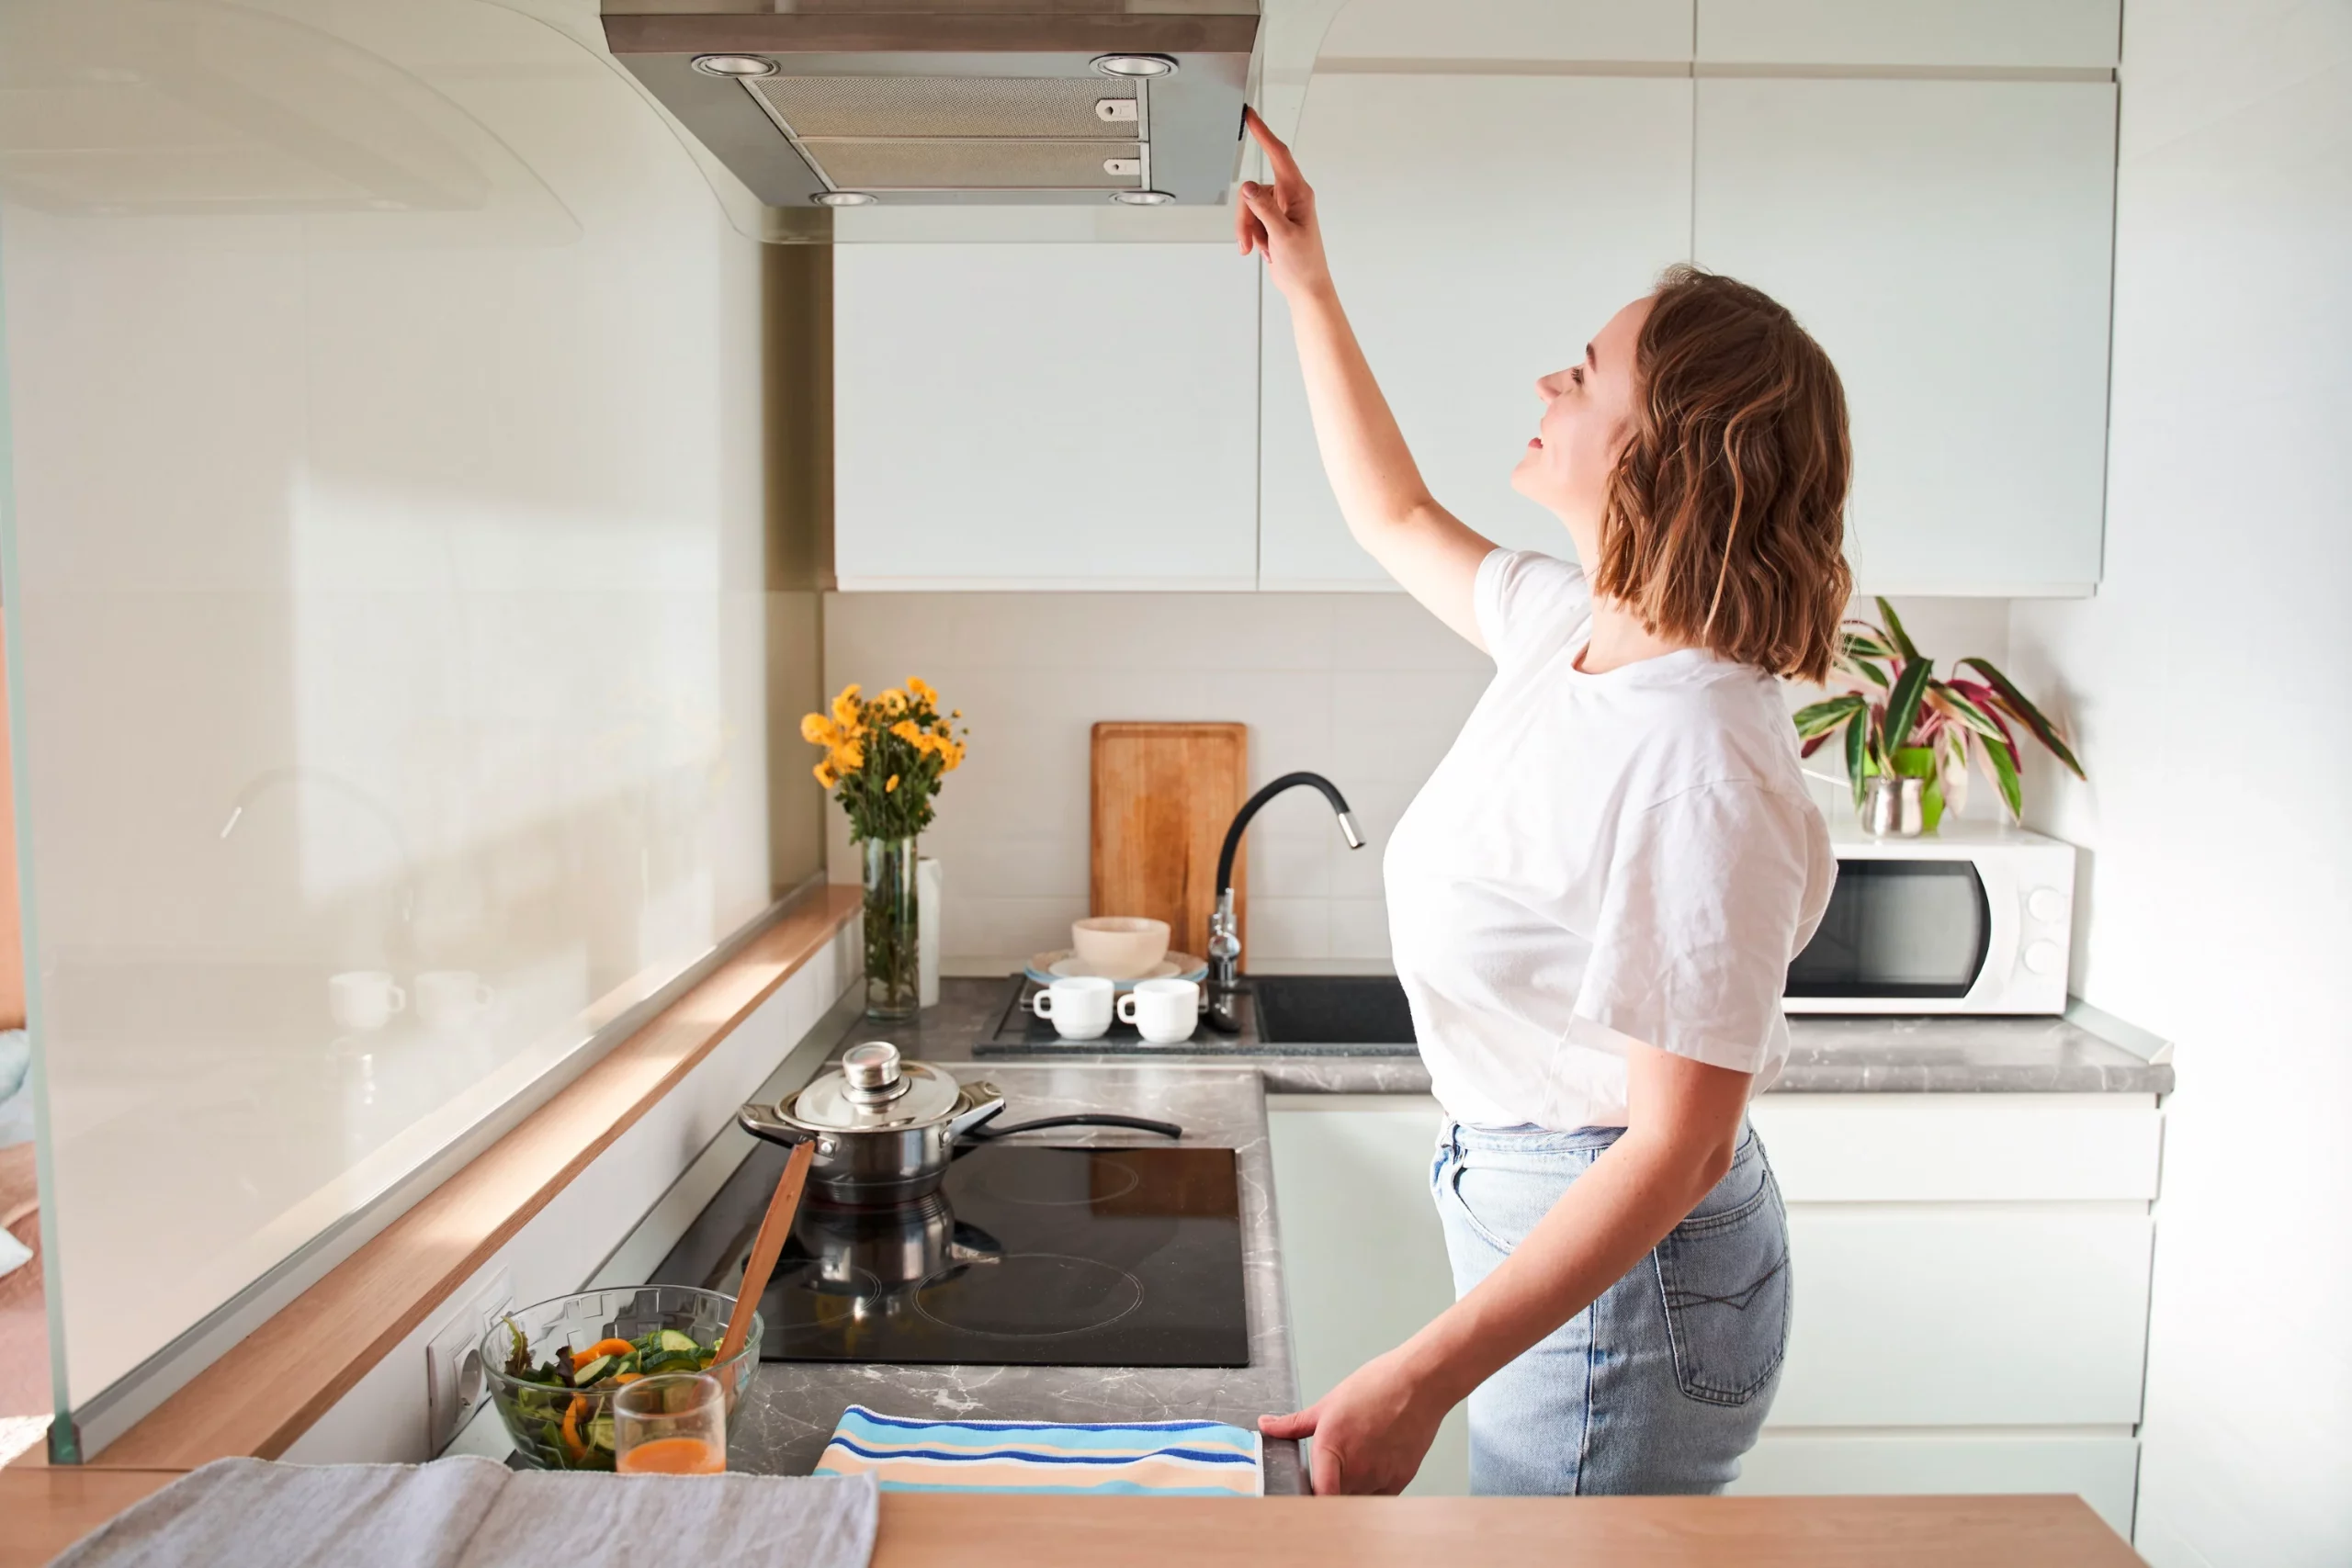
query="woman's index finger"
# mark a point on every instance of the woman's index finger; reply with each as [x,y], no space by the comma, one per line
[1277,151]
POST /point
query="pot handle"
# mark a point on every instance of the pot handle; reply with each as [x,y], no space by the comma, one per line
[983,1101]
[756,1121]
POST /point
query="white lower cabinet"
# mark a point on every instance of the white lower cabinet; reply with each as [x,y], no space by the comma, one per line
[1972,1282]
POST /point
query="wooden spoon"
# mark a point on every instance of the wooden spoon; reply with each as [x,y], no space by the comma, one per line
[766,1246]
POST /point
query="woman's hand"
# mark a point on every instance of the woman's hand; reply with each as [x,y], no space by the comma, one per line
[1370,1433]
[1278,221]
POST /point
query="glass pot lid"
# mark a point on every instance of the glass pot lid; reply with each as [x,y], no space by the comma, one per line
[870,1089]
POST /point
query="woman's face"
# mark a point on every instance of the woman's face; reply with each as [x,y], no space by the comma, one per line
[1587,411]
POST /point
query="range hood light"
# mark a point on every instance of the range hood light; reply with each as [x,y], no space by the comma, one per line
[843,198]
[1135,65]
[1141,198]
[734,65]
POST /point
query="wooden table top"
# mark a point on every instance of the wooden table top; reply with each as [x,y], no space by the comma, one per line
[47,1510]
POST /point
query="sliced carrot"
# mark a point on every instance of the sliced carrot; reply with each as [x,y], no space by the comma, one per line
[573,1445]
[629,1377]
[602,1348]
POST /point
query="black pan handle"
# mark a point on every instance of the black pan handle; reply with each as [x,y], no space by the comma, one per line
[1141,1123]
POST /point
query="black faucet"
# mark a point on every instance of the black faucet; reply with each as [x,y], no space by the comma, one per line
[1224,930]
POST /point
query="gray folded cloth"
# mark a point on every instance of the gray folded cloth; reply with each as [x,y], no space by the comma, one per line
[474,1513]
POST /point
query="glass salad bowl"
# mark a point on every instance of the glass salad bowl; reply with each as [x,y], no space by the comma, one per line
[554,1388]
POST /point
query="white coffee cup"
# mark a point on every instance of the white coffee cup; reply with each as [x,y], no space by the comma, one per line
[451,998]
[1163,1012]
[364,998]
[1079,1008]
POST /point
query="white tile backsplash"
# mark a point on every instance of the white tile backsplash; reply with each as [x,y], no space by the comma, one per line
[1368,689]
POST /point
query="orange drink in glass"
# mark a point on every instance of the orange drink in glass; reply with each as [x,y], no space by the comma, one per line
[674,1424]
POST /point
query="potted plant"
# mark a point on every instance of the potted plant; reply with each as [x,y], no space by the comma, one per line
[1899,719]
[885,758]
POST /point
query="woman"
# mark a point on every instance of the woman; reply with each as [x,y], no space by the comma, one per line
[1595,898]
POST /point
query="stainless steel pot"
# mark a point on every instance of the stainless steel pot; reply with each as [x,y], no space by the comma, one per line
[883,1129]
[886,1129]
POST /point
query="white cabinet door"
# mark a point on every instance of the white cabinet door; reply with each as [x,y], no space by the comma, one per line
[1508,30]
[2101,1467]
[1948,242]
[1996,33]
[1933,1315]
[1363,1258]
[1481,228]
[1045,417]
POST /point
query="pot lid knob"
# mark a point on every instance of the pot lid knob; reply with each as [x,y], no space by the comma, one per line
[872,1065]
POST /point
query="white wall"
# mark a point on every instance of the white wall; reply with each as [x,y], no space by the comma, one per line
[1368,689]
[2206,682]
[386,401]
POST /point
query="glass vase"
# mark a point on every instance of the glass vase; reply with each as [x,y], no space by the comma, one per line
[892,972]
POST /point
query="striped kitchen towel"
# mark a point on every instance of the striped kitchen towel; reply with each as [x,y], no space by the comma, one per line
[1159,1458]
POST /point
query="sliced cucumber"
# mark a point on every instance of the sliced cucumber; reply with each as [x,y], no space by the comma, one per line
[581,1377]
[600,1434]
[671,1339]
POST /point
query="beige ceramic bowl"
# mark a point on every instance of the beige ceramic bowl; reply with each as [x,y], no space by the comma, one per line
[1119,945]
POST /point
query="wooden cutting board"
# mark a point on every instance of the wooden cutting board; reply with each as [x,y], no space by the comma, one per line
[1163,797]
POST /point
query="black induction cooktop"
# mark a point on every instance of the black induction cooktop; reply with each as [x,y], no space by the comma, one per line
[1027,1256]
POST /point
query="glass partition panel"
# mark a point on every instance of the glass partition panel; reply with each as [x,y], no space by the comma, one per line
[386,602]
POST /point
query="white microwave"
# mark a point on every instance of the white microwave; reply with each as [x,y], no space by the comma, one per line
[1976,919]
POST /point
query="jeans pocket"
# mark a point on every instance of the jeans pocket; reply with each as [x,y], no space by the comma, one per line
[1724,1278]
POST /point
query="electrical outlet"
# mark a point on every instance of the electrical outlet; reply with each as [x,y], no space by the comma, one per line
[453,1371]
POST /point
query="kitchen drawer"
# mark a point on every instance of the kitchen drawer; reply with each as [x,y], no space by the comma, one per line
[1929,1314]
[1828,1148]
[2102,1467]
[1981,34]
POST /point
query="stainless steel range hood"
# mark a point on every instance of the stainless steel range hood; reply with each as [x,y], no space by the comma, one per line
[961,103]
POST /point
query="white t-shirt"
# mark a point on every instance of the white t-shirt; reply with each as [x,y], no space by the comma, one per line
[1600,858]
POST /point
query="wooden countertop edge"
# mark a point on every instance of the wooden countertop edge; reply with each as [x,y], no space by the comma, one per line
[268,1389]
[50,1509]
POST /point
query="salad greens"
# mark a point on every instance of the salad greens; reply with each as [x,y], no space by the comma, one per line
[561,1407]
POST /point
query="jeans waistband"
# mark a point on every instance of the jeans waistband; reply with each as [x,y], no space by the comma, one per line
[1543,1140]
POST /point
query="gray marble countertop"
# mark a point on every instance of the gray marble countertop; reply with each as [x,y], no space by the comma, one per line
[795,1404]
[1842,1055]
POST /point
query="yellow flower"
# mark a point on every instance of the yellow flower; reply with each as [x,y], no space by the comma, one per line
[923,690]
[893,701]
[924,742]
[848,757]
[819,730]
[955,713]
[955,755]
[845,708]
[891,788]
[905,731]
[825,774]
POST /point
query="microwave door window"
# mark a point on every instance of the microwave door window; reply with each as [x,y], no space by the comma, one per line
[1898,928]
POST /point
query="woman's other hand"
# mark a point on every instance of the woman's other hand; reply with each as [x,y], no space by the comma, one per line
[1370,1433]
[1278,221]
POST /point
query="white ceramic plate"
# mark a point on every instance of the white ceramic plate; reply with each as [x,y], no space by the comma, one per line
[1063,964]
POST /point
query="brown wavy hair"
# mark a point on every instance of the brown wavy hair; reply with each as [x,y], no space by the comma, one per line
[1726,519]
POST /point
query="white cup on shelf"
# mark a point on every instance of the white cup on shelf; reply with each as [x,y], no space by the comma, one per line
[364,998]
[1165,1012]
[1079,1008]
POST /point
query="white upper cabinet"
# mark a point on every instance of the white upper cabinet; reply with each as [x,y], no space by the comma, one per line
[1948,242]
[2047,34]
[1045,417]
[1509,29]
[1481,227]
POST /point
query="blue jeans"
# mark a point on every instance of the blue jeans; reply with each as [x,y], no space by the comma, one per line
[1662,1383]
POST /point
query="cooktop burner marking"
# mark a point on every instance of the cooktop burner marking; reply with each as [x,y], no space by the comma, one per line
[1030,1295]
[804,1297]
[1096,1181]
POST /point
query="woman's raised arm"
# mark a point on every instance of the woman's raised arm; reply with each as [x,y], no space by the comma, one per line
[1432,554]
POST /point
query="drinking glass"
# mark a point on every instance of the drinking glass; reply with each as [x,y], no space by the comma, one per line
[672,1424]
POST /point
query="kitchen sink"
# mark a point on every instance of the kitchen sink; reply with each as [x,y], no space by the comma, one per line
[1331,1010]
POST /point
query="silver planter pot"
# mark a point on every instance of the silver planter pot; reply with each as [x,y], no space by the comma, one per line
[1893,806]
